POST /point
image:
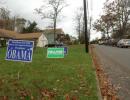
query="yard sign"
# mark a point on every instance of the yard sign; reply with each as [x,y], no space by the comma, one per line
[65,50]
[20,50]
[55,53]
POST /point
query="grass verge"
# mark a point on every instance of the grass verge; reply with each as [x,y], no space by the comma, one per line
[71,78]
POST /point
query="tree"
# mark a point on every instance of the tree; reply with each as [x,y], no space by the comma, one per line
[30,28]
[79,22]
[99,26]
[107,21]
[4,13]
[128,3]
[51,9]
[123,17]
[115,18]
[6,21]
[67,37]
[119,9]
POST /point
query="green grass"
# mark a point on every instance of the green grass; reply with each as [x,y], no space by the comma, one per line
[73,76]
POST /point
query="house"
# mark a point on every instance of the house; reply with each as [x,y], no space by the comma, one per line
[49,33]
[42,41]
[39,38]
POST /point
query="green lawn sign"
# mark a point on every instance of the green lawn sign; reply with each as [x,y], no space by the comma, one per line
[55,53]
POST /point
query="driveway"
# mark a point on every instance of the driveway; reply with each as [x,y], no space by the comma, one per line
[116,63]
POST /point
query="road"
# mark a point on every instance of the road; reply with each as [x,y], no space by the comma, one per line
[116,63]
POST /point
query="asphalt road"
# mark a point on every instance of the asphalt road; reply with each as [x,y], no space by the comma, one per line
[116,63]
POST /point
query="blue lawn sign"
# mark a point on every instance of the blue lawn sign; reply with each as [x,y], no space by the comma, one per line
[65,50]
[20,50]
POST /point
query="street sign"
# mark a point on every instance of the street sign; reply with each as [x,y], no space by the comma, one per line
[55,53]
[20,50]
[65,50]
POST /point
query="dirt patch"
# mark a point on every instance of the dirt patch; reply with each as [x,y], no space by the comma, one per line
[108,91]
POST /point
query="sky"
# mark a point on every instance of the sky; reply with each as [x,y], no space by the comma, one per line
[25,9]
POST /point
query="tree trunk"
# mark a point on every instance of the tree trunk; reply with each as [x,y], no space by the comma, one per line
[54,30]
[107,31]
[79,32]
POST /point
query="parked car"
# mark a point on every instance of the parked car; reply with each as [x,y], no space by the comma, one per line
[124,43]
[113,42]
[100,42]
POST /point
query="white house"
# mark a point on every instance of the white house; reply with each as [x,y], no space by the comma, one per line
[42,41]
[49,33]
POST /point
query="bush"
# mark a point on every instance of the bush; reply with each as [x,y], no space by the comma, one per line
[3,43]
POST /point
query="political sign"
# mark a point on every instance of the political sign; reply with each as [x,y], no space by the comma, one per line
[55,53]
[65,50]
[20,50]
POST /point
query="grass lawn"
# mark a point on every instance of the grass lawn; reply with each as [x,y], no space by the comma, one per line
[71,78]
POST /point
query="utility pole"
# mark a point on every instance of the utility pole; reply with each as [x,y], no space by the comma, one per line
[86,26]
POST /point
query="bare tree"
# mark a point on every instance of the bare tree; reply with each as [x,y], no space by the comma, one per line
[4,17]
[115,18]
[78,20]
[4,13]
[123,17]
[51,9]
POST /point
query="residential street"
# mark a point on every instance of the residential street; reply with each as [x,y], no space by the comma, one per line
[116,63]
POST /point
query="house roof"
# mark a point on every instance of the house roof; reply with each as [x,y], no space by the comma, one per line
[14,35]
[5,21]
[7,33]
[28,36]
[50,31]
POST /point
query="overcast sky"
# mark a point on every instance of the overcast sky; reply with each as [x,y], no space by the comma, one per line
[25,9]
